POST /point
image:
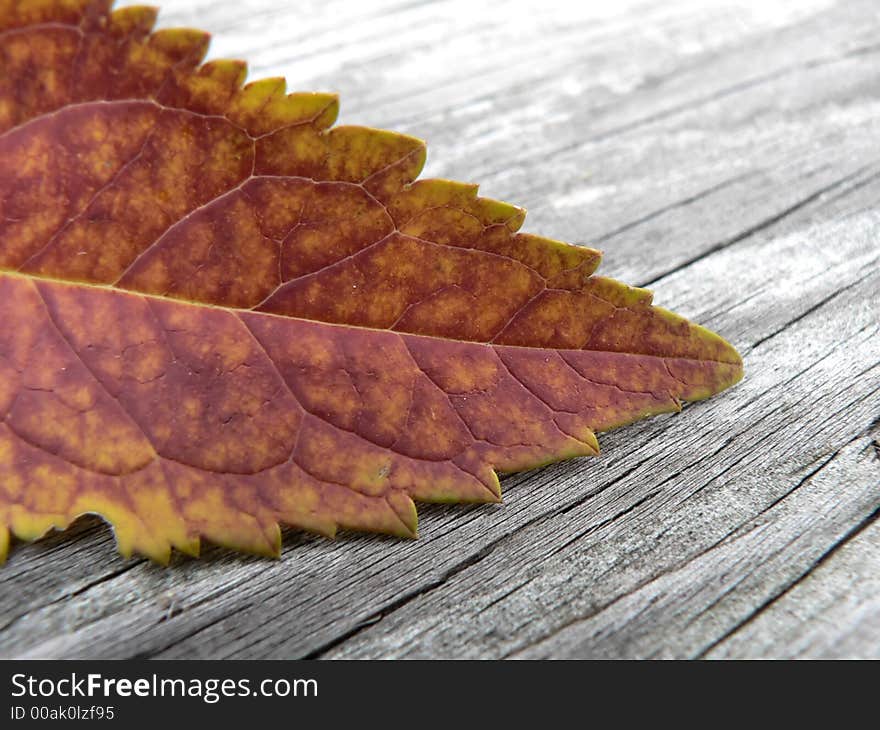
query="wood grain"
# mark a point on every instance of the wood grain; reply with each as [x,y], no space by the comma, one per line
[724,154]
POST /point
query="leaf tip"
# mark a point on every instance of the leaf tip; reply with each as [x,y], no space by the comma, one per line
[730,362]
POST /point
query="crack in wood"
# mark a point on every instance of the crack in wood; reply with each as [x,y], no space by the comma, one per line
[765,605]
[752,230]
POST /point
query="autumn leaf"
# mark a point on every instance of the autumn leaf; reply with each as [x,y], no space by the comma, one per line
[218,313]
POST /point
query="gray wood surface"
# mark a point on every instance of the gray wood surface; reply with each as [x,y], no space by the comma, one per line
[725,155]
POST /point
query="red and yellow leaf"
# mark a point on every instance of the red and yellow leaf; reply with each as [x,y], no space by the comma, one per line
[220,313]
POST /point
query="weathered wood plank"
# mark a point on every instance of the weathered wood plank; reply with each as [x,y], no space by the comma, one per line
[833,611]
[723,154]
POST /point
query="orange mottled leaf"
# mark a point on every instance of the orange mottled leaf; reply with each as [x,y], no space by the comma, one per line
[219,313]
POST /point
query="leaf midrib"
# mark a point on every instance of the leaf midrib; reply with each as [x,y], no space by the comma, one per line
[241,310]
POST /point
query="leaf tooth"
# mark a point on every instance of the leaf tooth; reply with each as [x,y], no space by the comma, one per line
[584,436]
[435,192]
[273,539]
[229,73]
[568,268]
[262,107]
[191,547]
[183,46]
[244,533]
[432,207]
[393,513]
[382,161]
[423,195]
[470,486]
[130,534]
[255,95]
[490,480]
[405,509]
[135,21]
[512,216]
[322,108]
[210,89]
